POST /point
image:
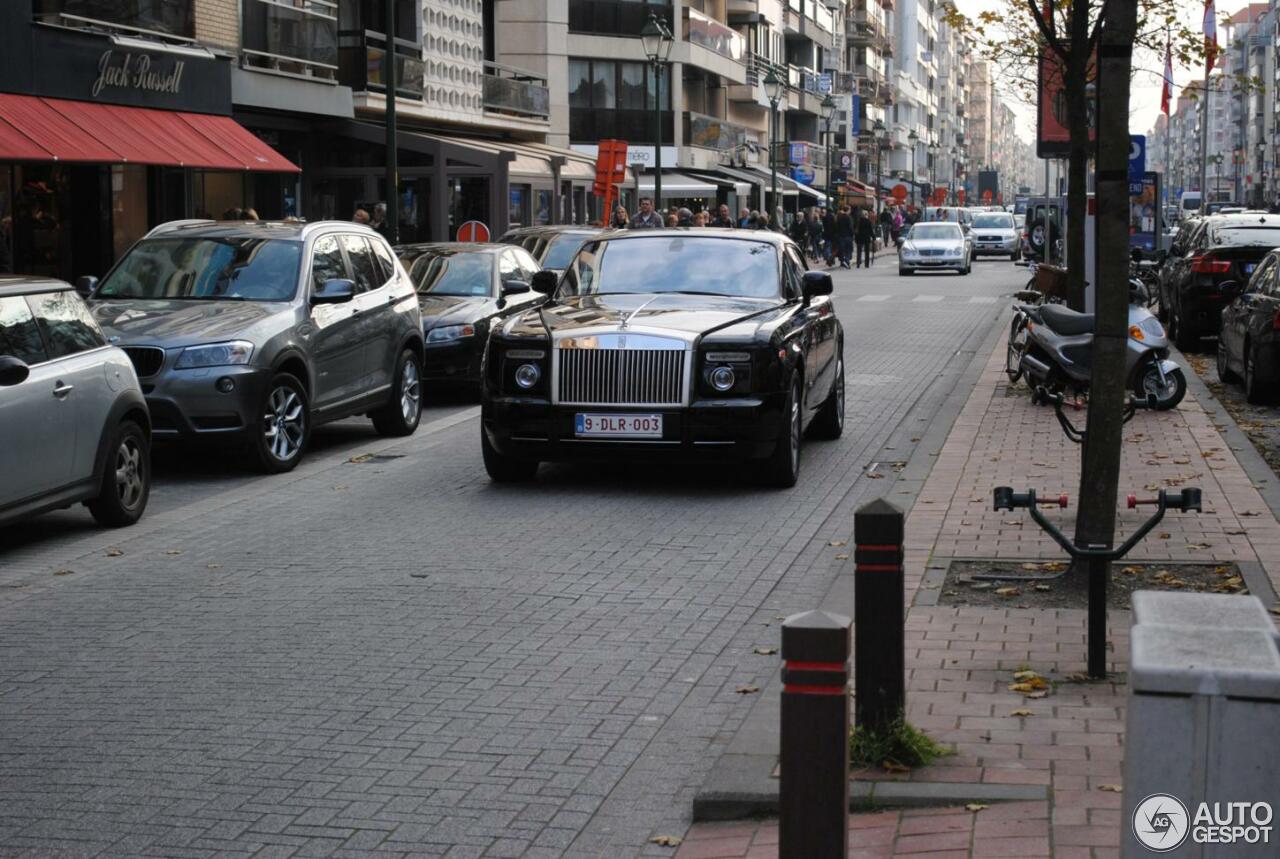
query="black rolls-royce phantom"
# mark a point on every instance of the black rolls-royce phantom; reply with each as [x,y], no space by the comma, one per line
[671,345]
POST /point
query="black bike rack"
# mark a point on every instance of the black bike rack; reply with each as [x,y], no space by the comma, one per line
[1043,396]
[1099,557]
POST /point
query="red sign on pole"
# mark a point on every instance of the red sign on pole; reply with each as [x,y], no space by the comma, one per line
[473,231]
[899,192]
[611,170]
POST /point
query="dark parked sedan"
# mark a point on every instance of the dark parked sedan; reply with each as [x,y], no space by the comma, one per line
[551,246]
[464,289]
[1249,340]
[668,345]
[1223,248]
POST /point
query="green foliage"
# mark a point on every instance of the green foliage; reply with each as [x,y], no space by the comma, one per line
[900,747]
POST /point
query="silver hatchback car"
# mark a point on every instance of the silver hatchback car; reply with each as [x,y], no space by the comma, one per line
[73,422]
[257,332]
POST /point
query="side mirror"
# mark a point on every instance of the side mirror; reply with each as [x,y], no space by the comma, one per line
[13,371]
[85,285]
[514,287]
[544,282]
[815,283]
[336,291]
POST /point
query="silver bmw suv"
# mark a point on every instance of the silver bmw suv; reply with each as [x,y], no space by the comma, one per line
[257,332]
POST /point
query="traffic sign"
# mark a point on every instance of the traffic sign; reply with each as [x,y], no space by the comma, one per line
[1137,157]
[473,231]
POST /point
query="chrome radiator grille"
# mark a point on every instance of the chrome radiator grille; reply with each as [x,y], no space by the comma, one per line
[621,376]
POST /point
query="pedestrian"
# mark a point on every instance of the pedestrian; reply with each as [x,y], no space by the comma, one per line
[829,234]
[379,221]
[722,218]
[886,225]
[865,234]
[799,231]
[753,220]
[813,227]
[844,236]
[898,223]
[360,217]
[673,220]
[620,220]
[237,214]
[762,221]
[744,217]
[647,217]
[684,217]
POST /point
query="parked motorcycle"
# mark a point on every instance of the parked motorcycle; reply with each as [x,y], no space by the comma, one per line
[1053,346]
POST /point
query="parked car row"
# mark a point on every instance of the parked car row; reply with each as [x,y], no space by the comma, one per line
[1218,279]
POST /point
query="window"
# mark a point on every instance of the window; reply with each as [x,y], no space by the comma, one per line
[579,83]
[205,269]
[65,323]
[508,267]
[361,263]
[167,17]
[528,266]
[603,85]
[326,262]
[19,336]
[633,86]
[386,262]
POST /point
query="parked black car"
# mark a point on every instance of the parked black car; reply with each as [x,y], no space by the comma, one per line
[551,246]
[464,289]
[1221,248]
[1249,339]
[668,345]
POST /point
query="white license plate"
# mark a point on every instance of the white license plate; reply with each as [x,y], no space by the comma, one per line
[589,425]
[1249,267]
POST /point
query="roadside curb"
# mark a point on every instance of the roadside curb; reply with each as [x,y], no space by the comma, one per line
[740,784]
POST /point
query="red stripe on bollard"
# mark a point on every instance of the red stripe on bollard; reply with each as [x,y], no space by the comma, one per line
[876,548]
[789,689]
[879,568]
[793,665]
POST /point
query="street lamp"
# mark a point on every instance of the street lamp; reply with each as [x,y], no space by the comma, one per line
[774,87]
[1262,172]
[828,114]
[657,41]
[878,130]
[955,164]
[913,139]
[933,164]
[1216,161]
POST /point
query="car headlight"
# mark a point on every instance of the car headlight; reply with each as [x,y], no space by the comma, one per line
[722,378]
[446,333]
[527,375]
[215,355]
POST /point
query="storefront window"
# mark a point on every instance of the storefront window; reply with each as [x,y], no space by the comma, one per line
[168,17]
[542,212]
[218,194]
[518,206]
[40,238]
[468,201]
[128,206]
[6,219]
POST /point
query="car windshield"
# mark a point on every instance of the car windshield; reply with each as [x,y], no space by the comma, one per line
[562,249]
[934,231]
[993,222]
[206,269]
[454,274]
[718,266]
[1248,236]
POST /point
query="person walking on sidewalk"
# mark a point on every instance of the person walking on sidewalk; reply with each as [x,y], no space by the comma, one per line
[886,225]
[844,236]
[646,218]
[829,234]
[865,235]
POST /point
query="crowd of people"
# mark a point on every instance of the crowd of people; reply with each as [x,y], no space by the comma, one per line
[848,236]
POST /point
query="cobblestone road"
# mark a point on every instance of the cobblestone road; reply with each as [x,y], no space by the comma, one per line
[398,657]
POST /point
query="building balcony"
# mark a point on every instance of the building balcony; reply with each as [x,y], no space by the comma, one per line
[515,91]
[865,25]
[614,17]
[710,132]
[172,20]
[361,62]
[707,32]
[299,40]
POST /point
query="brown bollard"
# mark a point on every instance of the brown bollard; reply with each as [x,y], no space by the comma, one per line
[879,667]
[814,782]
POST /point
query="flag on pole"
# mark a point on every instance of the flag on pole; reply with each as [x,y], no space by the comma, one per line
[1166,93]
[1210,35]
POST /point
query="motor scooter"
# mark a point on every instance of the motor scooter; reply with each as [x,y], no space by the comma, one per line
[1058,350]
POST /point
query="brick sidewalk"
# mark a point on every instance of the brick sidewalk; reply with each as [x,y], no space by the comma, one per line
[960,660]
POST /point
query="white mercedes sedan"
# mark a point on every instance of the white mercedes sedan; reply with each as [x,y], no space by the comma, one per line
[934,246]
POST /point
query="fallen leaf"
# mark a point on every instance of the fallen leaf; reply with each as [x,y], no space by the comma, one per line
[1275,609]
[1078,677]
[1043,588]
[837,543]
[364,457]
[895,767]
[747,690]
[1043,693]
[215,566]
[173,551]
[1008,592]
[1131,571]
[1237,532]
[843,556]
[1025,675]
[1022,712]
[63,572]
[1111,788]
[1164,535]
[340,487]
[975,806]
[915,438]
[875,475]
[1030,566]
[666,840]
[114,552]
[1199,545]
[764,651]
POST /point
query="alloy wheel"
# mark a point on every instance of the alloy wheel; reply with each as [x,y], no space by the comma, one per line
[129,473]
[1151,384]
[840,393]
[410,391]
[795,429]
[283,423]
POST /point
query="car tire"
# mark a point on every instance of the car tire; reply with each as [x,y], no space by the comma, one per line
[828,424]
[283,426]
[1225,373]
[401,414]
[1185,340]
[505,469]
[1013,258]
[782,468]
[905,272]
[125,483]
[1254,392]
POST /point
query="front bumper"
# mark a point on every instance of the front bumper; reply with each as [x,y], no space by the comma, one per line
[995,248]
[454,361]
[732,430]
[931,264]
[186,404]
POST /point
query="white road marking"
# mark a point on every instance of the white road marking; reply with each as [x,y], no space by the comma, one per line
[873,298]
[924,299]
[983,299]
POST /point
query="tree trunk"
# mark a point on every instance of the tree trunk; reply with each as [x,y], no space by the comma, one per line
[1077,73]
[1100,474]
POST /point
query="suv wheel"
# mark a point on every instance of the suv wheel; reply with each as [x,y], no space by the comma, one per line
[125,484]
[285,425]
[401,414]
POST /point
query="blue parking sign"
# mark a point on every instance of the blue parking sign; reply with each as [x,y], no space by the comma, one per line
[1137,158]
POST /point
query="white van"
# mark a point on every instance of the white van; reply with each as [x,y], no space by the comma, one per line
[1189,202]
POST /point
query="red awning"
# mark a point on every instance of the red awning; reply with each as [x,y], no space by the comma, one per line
[51,129]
